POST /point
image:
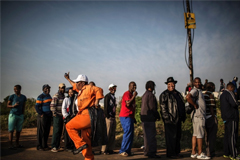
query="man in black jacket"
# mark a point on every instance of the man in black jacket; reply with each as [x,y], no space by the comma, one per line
[110,112]
[149,115]
[173,113]
[230,116]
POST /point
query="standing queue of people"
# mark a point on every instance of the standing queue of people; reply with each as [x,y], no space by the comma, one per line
[72,111]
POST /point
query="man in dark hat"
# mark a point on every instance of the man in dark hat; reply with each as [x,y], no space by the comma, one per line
[173,114]
[44,117]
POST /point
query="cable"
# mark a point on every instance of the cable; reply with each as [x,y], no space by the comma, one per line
[192,37]
[186,53]
[184,7]
[191,7]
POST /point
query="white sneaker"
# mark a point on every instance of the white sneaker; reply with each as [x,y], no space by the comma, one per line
[203,156]
[194,155]
[54,149]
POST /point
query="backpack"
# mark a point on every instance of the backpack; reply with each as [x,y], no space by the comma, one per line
[188,107]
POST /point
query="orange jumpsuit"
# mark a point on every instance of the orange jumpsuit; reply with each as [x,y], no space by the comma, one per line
[86,98]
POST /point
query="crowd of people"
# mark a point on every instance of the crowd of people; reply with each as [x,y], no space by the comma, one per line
[71,116]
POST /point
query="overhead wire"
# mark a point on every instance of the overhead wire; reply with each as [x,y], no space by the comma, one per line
[185,55]
[192,33]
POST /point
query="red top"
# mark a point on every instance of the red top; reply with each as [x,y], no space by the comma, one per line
[127,111]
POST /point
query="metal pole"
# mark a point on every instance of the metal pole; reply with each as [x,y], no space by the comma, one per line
[190,47]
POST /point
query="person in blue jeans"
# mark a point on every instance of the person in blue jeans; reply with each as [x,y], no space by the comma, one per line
[16,117]
[127,119]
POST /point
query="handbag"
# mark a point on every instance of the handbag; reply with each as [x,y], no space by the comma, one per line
[98,127]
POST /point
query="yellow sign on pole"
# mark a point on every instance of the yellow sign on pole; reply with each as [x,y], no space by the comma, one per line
[190,22]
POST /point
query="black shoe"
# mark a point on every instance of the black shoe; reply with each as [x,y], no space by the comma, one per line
[68,150]
[112,152]
[46,148]
[154,156]
[40,148]
[105,153]
[76,151]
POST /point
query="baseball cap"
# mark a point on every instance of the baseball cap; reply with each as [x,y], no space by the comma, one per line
[45,86]
[81,77]
[112,85]
[61,85]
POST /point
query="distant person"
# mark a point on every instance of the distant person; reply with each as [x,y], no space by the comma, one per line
[110,113]
[188,88]
[92,83]
[222,86]
[127,119]
[234,81]
[238,91]
[69,111]
[230,116]
[56,108]
[16,116]
[88,96]
[198,118]
[204,87]
[149,114]
[173,114]
[44,117]
[211,124]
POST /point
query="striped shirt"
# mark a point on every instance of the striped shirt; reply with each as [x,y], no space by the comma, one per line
[210,102]
[56,104]
[43,104]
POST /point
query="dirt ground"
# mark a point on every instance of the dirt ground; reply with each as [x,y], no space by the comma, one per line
[29,152]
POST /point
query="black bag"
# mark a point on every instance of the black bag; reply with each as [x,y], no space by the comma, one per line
[98,127]
[188,107]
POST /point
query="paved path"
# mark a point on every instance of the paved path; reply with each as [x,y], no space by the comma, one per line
[29,152]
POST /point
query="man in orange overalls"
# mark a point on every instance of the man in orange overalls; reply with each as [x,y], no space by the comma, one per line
[88,96]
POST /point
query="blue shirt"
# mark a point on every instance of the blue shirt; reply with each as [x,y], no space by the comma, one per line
[43,104]
[18,110]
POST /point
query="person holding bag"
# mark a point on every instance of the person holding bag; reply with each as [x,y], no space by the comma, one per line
[88,96]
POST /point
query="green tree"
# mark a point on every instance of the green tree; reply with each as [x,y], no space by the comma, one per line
[30,115]
[138,102]
[4,109]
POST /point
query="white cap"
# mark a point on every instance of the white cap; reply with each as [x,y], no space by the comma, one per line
[81,77]
[112,85]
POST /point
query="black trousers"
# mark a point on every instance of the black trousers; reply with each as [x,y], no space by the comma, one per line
[68,143]
[150,142]
[43,129]
[230,138]
[211,127]
[173,136]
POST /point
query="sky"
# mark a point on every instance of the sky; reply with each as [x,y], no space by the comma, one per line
[115,42]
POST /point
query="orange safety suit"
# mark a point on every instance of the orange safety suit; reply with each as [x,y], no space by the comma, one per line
[86,98]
